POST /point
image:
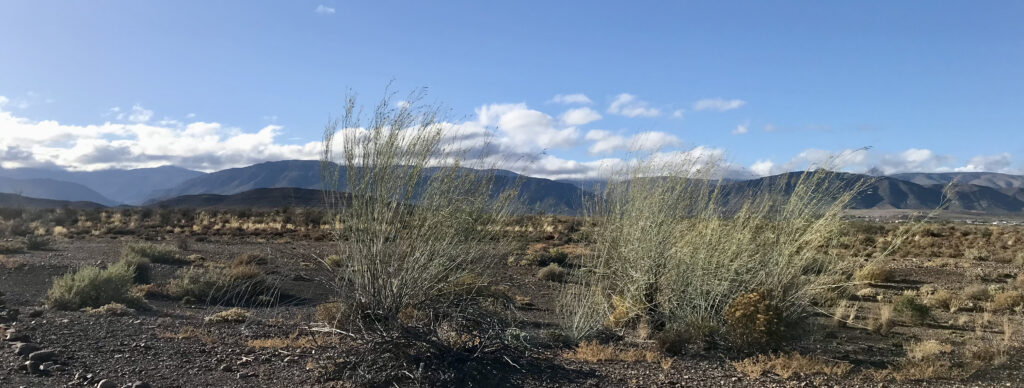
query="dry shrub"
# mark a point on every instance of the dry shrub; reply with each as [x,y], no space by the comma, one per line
[189,332]
[552,273]
[883,322]
[925,361]
[415,220]
[112,309]
[927,349]
[941,299]
[977,292]
[910,310]
[786,365]
[593,351]
[249,258]
[11,263]
[293,341]
[160,254]
[141,268]
[7,247]
[872,273]
[753,321]
[235,315]
[678,249]
[242,285]
[1006,301]
[94,287]
[978,254]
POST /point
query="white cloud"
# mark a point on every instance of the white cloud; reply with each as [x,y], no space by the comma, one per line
[578,98]
[679,113]
[763,167]
[579,116]
[526,129]
[324,10]
[740,129]
[139,114]
[605,141]
[3,101]
[630,106]
[718,104]
[989,163]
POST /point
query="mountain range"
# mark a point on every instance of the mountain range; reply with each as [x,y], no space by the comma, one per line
[297,183]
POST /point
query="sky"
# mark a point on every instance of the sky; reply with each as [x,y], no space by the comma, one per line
[768,86]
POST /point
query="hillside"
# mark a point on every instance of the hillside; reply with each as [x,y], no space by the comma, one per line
[987,179]
[52,189]
[258,198]
[538,193]
[18,201]
[131,187]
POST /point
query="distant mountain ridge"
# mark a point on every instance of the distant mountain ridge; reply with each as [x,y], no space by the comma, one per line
[300,181]
[131,187]
[52,189]
[19,201]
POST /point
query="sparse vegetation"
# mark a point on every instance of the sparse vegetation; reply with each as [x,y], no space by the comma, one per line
[160,254]
[94,287]
[552,273]
[235,285]
[786,365]
[234,315]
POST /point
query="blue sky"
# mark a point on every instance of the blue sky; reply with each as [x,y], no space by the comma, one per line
[929,85]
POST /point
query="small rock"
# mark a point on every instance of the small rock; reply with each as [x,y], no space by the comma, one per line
[47,365]
[32,367]
[242,375]
[141,384]
[225,368]
[13,336]
[42,356]
[106,384]
[24,349]
[290,359]
[58,368]
[34,312]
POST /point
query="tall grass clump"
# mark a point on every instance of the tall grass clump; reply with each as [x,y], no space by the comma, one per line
[678,250]
[417,220]
[417,226]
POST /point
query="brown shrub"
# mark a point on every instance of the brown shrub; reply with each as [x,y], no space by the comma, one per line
[753,321]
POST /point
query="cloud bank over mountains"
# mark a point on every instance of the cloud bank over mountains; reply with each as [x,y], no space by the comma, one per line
[533,139]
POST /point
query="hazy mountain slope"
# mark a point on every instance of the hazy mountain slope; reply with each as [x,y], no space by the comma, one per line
[986,179]
[123,186]
[52,189]
[18,201]
[258,198]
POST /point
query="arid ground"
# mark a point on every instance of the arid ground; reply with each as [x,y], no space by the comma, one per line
[944,311]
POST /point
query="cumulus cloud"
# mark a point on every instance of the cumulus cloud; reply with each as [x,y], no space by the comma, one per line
[526,129]
[991,163]
[579,116]
[887,163]
[578,98]
[605,141]
[628,105]
[718,104]
[740,129]
[324,10]
[679,113]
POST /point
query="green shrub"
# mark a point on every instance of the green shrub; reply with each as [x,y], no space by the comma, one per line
[911,310]
[11,247]
[93,287]
[160,254]
[141,268]
[237,285]
[37,243]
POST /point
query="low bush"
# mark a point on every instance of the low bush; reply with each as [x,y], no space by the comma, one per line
[237,285]
[910,310]
[552,273]
[112,309]
[753,321]
[141,268]
[1006,301]
[11,247]
[235,315]
[786,365]
[160,254]
[94,287]
[250,258]
[874,273]
[37,243]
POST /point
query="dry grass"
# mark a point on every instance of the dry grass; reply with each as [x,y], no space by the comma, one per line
[873,273]
[552,273]
[787,365]
[11,263]
[112,309]
[1006,301]
[592,351]
[189,332]
[235,315]
[293,341]
[882,323]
